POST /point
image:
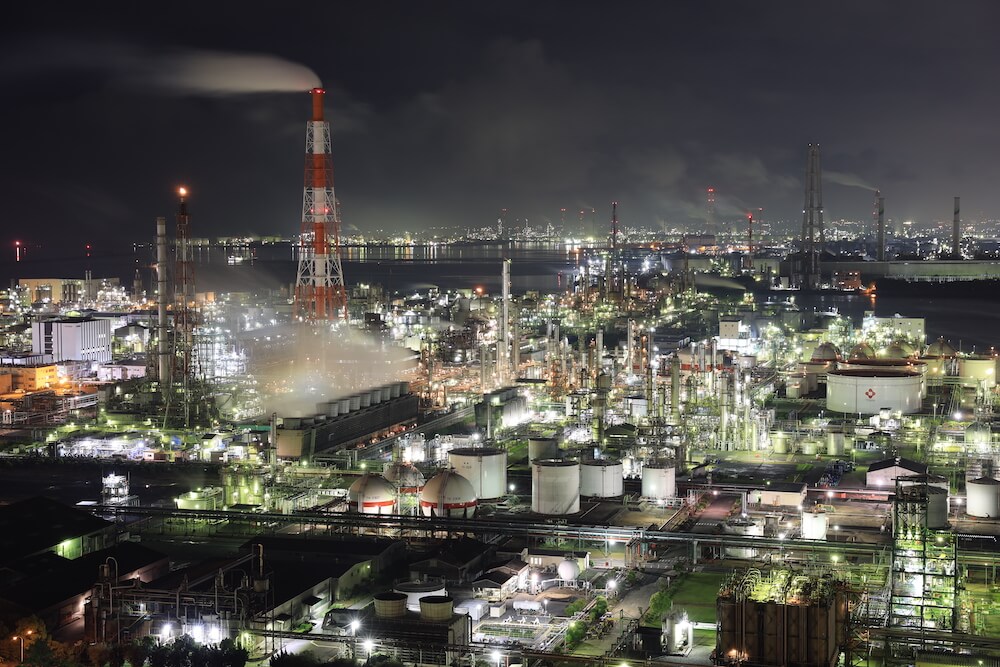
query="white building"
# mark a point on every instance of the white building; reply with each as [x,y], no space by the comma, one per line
[73,339]
[883,474]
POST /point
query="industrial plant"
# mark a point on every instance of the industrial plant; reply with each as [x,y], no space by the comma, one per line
[677,452]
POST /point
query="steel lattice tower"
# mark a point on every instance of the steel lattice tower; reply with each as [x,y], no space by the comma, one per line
[319,283]
[813,236]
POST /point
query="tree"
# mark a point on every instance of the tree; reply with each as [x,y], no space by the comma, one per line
[305,659]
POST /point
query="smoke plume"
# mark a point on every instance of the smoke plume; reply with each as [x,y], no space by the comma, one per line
[215,73]
[850,180]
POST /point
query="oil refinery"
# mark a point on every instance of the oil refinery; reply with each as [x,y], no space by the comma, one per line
[677,453]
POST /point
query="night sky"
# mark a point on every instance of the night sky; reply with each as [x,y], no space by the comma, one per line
[444,112]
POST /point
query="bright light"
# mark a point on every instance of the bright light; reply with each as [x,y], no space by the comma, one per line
[496,656]
[182,192]
[611,584]
[355,624]
[369,645]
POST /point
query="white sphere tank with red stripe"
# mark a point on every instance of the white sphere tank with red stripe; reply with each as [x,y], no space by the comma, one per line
[371,494]
[448,494]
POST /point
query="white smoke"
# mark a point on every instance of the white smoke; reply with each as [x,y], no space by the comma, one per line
[216,73]
[850,180]
[165,70]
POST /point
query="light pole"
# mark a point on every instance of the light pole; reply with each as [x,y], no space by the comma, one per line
[21,639]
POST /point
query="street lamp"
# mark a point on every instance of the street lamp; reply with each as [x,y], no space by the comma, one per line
[21,639]
[369,645]
[496,657]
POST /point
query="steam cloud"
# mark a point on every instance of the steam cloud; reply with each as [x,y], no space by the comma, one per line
[166,71]
[850,180]
[214,73]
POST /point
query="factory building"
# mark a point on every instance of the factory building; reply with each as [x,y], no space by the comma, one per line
[883,474]
[347,421]
[433,636]
[73,339]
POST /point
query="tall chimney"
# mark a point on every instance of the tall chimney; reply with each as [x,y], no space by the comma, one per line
[162,349]
[880,207]
[955,250]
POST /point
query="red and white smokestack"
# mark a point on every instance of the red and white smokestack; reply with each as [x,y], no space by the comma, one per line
[319,283]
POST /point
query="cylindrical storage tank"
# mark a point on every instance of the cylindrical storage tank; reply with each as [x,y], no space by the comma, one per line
[390,604]
[364,399]
[394,390]
[779,442]
[485,467]
[371,494]
[345,405]
[867,391]
[376,396]
[416,590]
[983,498]
[448,494]
[355,402]
[603,478]
[978,371]
[659,481]
[404,388]
[815,524]
[542,448]
[386,393]
[742,526]
[834,444]
[555,486]
[437,608]
[333,409]
[809,447]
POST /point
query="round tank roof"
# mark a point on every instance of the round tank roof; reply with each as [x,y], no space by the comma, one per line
[602,463]
[875,372]
[370,490]
[448,489]
[941,348]
[555,463]
[826,352]
[862,351]
[984,481]
[899,349]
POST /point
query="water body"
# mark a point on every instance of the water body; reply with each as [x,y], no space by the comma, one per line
[967,319]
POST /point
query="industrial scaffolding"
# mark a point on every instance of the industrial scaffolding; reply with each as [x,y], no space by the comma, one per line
[925,575]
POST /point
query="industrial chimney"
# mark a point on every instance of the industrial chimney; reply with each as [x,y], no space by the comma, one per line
[955,249]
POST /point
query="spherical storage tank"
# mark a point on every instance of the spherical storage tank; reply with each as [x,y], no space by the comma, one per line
[603,478]
[866,391]
[658,481]
[983,498]
[448,494]
[485,467]
[371,494]
[569,569]
[814,525]
[555,486]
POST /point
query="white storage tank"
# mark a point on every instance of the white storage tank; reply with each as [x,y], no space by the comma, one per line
[332,409]
[415,590]
[436,608]
[603,478]
[345,405]
[834,444]
[542,448]
[376,396]
[371,494]
[448,494]
[659,481]
[867,391]
[815,524]
[355,402]
[485,467]
[555,486]
[394,390]
[568,570]
[386,393]
[365,399]
[809,447]
[779,442]
[744,526]
[983,498]
[390,604]
[978,370]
